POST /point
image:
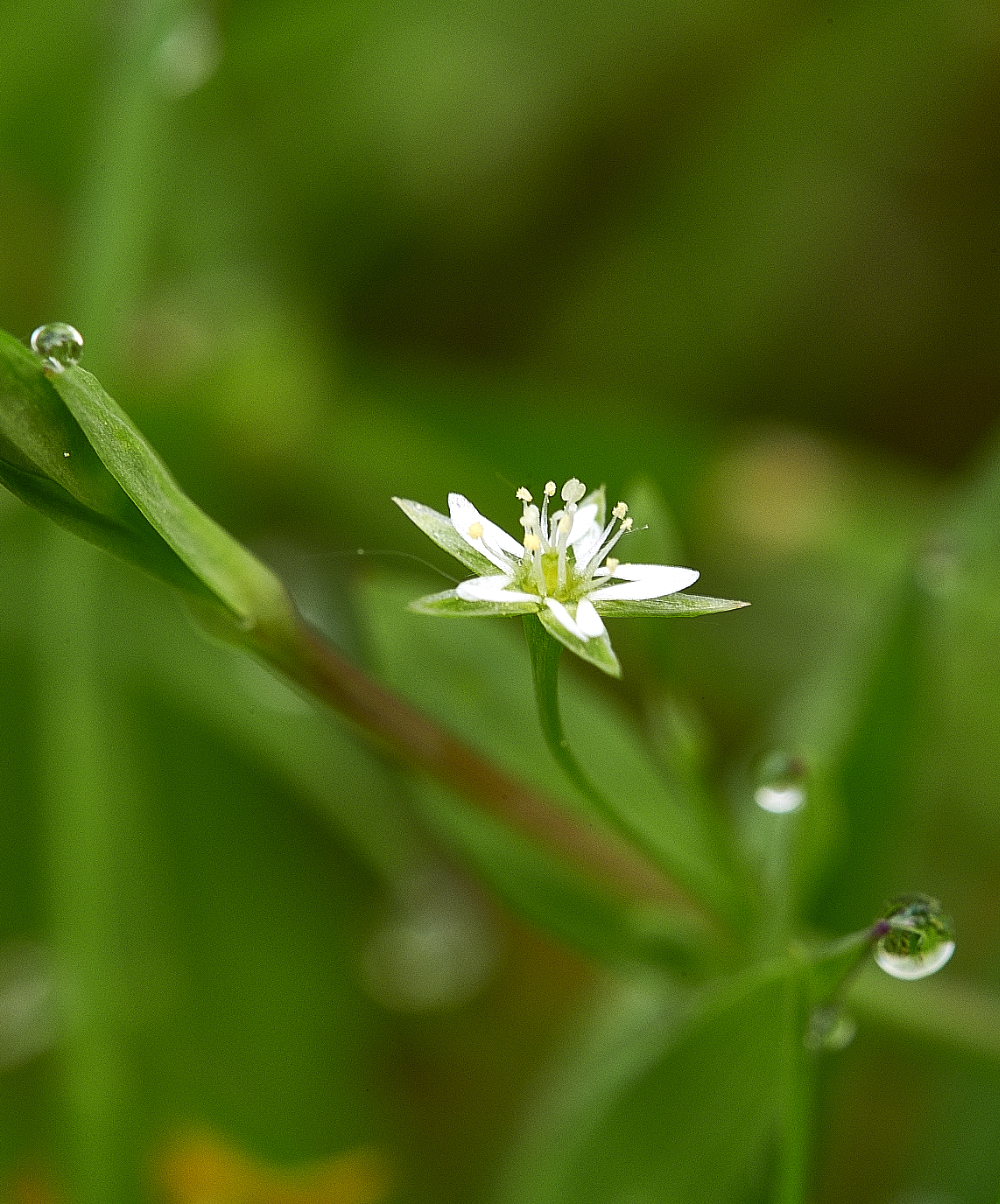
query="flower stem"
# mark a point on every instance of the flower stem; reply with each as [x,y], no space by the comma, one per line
[545,653]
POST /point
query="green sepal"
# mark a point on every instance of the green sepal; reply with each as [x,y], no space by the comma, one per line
[450,604]
[598,650]
[678,605]
[441,529]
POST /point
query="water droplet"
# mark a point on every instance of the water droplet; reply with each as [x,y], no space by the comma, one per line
[830,1029]
[781,784]
[436,949]
[59,344]
[919,940]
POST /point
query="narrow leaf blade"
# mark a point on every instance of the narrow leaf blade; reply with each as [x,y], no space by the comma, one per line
[241,582]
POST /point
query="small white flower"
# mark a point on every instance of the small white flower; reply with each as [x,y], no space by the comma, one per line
[561,569]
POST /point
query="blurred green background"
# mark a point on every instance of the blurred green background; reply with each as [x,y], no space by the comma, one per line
[741,262]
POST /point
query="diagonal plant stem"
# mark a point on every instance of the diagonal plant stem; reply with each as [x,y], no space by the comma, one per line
[306,659]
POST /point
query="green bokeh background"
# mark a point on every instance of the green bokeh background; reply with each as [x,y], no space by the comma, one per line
[740,262]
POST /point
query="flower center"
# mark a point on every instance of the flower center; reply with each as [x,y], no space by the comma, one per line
[547,568]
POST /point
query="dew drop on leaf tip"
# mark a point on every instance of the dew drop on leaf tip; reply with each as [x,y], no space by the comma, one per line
[919,940]
[58,344]
[780,784]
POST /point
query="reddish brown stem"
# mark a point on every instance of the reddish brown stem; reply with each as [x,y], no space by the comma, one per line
[412,737]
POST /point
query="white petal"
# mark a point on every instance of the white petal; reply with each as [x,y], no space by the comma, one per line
[646,581]
[584,523]
[588,620]
[495,544]
[492,589]
[566,619]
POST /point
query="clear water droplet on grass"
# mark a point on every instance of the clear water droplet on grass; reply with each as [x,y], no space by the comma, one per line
[830,1029]
[781,784]
[919,940]
[59,345]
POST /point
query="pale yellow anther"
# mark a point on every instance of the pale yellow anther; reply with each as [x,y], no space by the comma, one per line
[620,510]
[523,495]
[565,523]
[626,524]
[550,488]
[476,531]
[612,563]
[573,490]
[532,543]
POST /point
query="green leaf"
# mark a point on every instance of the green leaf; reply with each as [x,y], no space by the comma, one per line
[875,774]
[442,530]
[597,651]
[674,604]
[248,590]
[557,898]
[67,449]
[660,1099]
[451,605]
[47,462]
[39,437]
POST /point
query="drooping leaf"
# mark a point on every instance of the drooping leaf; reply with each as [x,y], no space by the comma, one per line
[663,1099]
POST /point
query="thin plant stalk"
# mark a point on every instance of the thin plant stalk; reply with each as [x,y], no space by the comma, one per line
[545,653]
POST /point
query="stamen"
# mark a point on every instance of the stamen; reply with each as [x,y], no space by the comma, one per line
[550,489]
[523,495]
[563,530]
[532,543]
[606,547]
[619,511]
[611,564]
[476,531]
[573,490]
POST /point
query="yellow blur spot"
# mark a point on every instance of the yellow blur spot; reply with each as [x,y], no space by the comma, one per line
[200,1168]
[30,1185]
